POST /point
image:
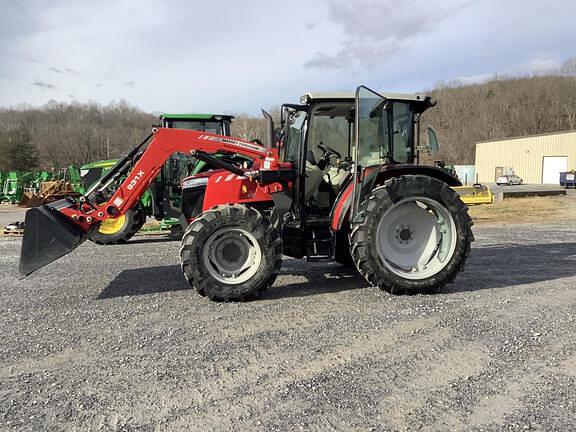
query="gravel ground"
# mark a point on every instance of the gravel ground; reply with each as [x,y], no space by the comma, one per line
[111,338]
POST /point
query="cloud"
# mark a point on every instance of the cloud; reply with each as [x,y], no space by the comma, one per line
[130,83]
[375,29]
[44,86]
[53,69]
[537,64]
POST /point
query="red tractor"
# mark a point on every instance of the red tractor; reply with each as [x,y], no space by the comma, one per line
[340,184]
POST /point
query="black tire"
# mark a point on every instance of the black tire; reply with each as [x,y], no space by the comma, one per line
[342,253]
[134,220]
[363,239]
[213,223]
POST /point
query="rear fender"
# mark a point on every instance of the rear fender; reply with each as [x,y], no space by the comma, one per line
[341,212]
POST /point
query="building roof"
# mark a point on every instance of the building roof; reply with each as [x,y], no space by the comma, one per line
[525,136]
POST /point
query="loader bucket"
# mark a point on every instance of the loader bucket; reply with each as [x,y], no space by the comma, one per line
[35,201]
[26,197]
[48,235]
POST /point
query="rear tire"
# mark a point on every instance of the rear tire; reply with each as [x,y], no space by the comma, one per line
[231,253]
[129,225]
[415,237]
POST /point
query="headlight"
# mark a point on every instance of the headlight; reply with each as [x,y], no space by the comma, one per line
[194,182]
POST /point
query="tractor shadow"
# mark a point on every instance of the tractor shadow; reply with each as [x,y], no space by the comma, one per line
[488,267]
[146,280]
[506,265]
[151,238]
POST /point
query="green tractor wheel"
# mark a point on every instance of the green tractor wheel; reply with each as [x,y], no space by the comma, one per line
[120,229]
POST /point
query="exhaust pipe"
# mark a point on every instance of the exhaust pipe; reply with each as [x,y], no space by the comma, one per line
[269,130]
[48,235]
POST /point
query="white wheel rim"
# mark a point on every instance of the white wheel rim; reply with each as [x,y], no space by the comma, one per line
[416,238]
[232,255]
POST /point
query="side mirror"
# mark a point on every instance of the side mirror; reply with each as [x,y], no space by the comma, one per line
[433,140]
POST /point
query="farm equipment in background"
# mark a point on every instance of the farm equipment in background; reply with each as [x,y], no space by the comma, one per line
[475,194]
[45,187]
[163,199]
[14,186]
[470,195]
[342,185]
[3,177]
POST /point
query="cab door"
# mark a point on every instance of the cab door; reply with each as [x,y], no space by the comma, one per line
[372,146]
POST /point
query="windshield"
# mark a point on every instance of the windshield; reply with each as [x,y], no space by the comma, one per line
[214,127]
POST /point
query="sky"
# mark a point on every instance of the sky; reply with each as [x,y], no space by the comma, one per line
[238,56]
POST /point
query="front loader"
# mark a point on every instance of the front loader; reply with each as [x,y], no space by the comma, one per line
[163,199]
[341,184]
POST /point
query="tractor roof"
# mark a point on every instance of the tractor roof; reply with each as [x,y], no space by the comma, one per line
[420,102]
[345,96]
[214,117]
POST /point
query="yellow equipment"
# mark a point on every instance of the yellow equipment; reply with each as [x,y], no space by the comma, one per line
[475,194]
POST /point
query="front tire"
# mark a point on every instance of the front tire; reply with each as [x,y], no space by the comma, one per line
[231,253]
[415,237]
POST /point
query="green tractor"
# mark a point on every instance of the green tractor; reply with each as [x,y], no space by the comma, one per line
[3,177]
[162,200]
[14,185]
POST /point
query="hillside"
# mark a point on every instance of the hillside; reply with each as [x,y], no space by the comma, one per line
[500,108]
[76,133]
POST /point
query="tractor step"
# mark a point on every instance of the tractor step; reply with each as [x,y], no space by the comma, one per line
[319,243]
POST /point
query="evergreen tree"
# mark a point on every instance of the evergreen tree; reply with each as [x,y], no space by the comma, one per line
[17,151]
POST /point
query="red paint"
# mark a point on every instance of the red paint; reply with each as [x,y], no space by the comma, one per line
[342,205]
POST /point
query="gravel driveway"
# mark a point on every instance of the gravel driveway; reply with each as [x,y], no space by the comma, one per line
[111,338]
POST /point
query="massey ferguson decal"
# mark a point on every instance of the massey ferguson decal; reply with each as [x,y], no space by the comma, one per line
[253,147]
[135,180]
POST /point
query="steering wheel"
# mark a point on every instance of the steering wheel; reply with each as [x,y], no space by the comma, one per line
[327,149]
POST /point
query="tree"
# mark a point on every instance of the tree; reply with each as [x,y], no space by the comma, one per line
[17,151]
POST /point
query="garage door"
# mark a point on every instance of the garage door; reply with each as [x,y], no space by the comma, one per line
[552,167]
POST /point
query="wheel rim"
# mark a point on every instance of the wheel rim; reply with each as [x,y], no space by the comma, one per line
[232,255]
[416,238]
[112,225]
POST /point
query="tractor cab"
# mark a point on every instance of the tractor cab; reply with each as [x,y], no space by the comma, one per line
[340,143]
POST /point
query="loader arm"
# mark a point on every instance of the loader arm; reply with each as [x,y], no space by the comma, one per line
[53,230]
[164,143]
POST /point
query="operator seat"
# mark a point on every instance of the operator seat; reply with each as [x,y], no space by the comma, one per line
[314,176]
